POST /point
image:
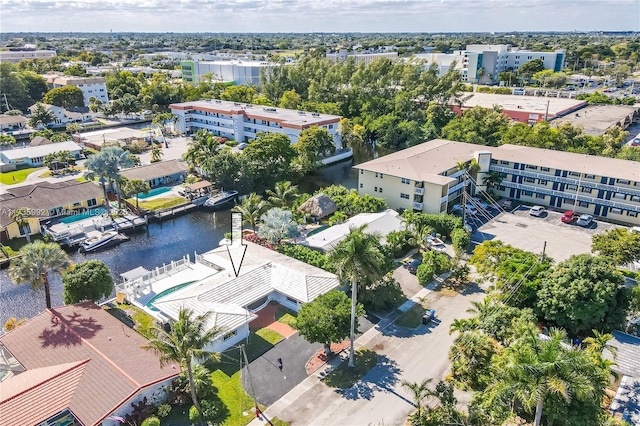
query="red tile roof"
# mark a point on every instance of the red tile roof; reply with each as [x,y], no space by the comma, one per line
[117,368]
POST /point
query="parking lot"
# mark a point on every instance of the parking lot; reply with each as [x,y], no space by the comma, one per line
[530,233]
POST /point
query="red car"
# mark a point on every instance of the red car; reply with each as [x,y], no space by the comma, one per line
[568,216]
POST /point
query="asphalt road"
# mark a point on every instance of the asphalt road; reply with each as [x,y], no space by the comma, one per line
[402,355]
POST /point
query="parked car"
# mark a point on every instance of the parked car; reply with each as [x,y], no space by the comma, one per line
[537,211]
[436,244]
[585,220]
[568,216]
[413,265]
[428,316]
[242,145]
[470,209]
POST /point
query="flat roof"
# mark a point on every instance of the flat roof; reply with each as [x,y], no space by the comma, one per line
[596,119]
[248,63]
[40,150]
[532,104]
[284,116]
[426,161]
[112,134]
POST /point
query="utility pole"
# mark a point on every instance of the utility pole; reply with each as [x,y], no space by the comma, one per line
[253,391]
[546,113]
[544,249]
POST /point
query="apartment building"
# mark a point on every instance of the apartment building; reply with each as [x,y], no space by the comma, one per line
[360,57]
[242,122]
[91,86]
[482,63]
[237,71]
[15,56]
[426,178]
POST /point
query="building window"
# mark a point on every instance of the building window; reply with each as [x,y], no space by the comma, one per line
[506,163]
[404,196]
[587,190]
[375,189]
[583,204]
[632,214]
[543,182]
[542,196]
[531,167]
[571,187]
[619,196]
[589,176]
[529,180]
[361,185]
[361,171]
[501,188]
[622,181]
[331,126]
[544,169]
[230,335]
[527,193]
[406,181]
[616,211]
[575,174]
[381,190]
[635,198]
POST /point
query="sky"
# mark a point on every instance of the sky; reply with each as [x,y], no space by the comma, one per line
[304,16]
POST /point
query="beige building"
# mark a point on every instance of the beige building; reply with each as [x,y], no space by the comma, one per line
[426,178]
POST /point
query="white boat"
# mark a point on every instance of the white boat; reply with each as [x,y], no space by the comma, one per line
[220,199]
[96,240]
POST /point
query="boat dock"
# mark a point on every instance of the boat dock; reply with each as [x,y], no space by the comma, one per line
[173,211]
[73,234]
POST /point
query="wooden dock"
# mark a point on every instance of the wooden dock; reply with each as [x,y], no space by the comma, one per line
[173,211]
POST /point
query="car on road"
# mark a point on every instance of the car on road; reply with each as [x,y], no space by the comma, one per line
[436,244]
[568,216]
[412,266]
[585,220]
[537,211]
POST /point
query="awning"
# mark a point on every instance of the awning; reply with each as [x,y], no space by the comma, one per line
[134,273]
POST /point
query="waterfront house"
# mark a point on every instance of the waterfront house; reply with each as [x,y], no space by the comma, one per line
[158,174]
[33,156]
[12,123]
[210,284]
[77,365]
[63,116]
[44,201]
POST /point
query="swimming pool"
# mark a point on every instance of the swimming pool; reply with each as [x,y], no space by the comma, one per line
[91,213]
[164,293]
[154,191]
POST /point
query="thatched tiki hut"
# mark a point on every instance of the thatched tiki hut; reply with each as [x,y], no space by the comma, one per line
[318,206]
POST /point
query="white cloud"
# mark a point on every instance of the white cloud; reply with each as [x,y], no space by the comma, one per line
[323,15]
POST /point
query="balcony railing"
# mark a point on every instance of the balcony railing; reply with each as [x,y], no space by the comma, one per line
[578,182]
[586,199]
[418,191]
[418,206]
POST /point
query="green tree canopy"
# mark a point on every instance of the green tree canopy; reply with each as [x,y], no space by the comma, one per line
[326,320]
[89,280]
[478,125]
[270,157]
[277,224]
[583,293]
[40,116]
[621,245]
[313,143]
[239,93]
[66,97]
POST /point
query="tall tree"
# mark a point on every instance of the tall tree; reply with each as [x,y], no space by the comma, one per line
[184,343]
[419,391]
[156,153]
[36,261]
[40,116]
[252,208]
[106,165]
[66,97]
[203,147]
[20,217]
[621,245]
[283,195]
[270,157]
[357,258]
[89,280]
[137,187]
[313,143]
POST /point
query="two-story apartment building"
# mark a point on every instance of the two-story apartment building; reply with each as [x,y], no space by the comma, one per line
[426,178]
[243,122]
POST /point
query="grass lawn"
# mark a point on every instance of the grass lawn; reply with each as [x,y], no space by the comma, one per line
[269,335]
[132,316]
[16,176]
[412,318]
[344,376]
[286,316]
[159,203]
[232,394]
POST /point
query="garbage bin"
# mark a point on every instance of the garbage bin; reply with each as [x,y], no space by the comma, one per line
[426,318]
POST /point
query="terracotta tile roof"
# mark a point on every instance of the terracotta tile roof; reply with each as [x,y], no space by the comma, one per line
[117,367]
[47,391]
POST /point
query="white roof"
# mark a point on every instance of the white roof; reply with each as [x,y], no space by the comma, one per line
[528,104]
[262,272]
[377,223]
[40,150]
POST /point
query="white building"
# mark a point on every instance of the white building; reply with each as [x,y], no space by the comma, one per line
[63,116]
[210,285]
[91,86]
[243,122]
[33,156]
[359,57]
[380,224]
[482,63]
[15,56]
[237,71]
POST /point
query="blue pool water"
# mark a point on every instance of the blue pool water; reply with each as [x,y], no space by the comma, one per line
[154,191]
[92,213]
[164,293]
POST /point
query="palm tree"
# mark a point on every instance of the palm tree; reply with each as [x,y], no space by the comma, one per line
[599,342]
[156,153]
[277,224]
[492,179]
[534,369]
[36,260]
[137,187]
[203,147]
[20,216]
[357,258]
[419,391]
[40,116]
[184,343]
[462,325]
[106,165]
[252,208]
[284,194]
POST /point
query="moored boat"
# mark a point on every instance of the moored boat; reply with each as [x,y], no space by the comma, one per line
[97,240]
[221,199]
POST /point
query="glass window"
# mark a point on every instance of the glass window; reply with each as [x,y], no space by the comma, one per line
[404,196]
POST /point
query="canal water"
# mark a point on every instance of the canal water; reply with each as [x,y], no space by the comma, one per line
[199,231]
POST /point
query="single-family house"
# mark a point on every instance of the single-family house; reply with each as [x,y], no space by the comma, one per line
[63,116]
[33,156]
[120,136]
[77,365]
[44,201]
[158,174]
[379,224]
[626,403]
[12,123]
[233,289]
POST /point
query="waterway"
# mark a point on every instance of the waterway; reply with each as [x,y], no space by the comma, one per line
[199,231]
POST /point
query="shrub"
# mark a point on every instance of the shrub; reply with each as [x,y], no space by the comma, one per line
[424,273]
[212,410]
[141,411]
[437,261]
[460,239]
[136,147]
[304,254]
[194,415]
[164,410]
[382,296]
[151,421]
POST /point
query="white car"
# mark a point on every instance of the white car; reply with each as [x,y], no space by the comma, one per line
[537,211]
[470,210]
[436,244]
[585,220]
